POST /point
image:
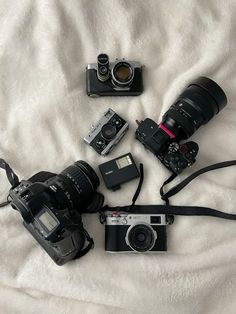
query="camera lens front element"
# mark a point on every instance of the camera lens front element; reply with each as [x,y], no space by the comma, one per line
[122,73]
[141,237]
[108,131]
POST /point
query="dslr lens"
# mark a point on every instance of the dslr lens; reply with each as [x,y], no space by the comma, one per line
[122,73]
[195,106]
[81,181]
[141,238]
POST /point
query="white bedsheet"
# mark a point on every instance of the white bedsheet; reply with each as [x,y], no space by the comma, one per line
[44,114]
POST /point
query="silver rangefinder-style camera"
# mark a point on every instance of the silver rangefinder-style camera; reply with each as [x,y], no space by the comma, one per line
[107,132]
[118,78]
[142,232]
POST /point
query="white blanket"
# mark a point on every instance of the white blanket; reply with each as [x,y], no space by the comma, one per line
[44,114]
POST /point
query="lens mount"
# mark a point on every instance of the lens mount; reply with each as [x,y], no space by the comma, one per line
[122,73]
[141,237]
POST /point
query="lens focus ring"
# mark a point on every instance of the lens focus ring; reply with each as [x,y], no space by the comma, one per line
[83,179]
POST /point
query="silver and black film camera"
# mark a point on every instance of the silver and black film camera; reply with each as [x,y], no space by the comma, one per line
[136,232]
[107,132]
[118,78]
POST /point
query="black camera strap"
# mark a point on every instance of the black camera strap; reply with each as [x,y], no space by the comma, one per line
[12,177]
[177,188]
[174,210]
[88,247]
[170,210]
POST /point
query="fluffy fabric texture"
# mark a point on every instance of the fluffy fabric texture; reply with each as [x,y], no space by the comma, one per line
[45,46]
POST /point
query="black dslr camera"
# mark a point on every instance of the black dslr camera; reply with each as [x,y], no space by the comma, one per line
[118,78]
[197,105]
[51,206]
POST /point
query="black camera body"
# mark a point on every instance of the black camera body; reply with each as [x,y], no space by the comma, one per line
[51,207]
[163,145]
[107,132]
[135,232]
[118,78]
[196,106]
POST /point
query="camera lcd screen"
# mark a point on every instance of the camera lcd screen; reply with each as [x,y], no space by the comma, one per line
[48,221]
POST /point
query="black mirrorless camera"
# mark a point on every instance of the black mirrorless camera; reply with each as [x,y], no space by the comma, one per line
[51,206]
[197,105]
[106,134]
[118,78]
[135,232]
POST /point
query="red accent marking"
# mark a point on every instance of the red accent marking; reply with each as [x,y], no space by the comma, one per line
[171,135]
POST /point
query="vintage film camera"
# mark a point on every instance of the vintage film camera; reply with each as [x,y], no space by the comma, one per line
[118,78]
[106,134]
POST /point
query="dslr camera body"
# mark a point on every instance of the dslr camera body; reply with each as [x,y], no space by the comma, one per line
[196,106]
[51,207]
[118,78]
[135,232]
[106,134]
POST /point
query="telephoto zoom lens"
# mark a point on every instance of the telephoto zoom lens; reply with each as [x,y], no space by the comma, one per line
[195,106]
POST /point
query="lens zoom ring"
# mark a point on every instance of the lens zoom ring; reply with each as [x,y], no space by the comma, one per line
[79,180]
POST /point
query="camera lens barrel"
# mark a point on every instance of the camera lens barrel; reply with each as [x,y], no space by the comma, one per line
[141,237]
[108,131]
[122,73]
[196,105]
[83,180]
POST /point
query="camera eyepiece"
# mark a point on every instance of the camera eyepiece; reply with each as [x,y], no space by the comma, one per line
[103,67]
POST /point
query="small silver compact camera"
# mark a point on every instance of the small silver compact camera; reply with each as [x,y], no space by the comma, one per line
[107,132]
[134,232]
[117,78]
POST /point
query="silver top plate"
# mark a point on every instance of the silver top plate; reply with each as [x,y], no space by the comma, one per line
[124,218]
